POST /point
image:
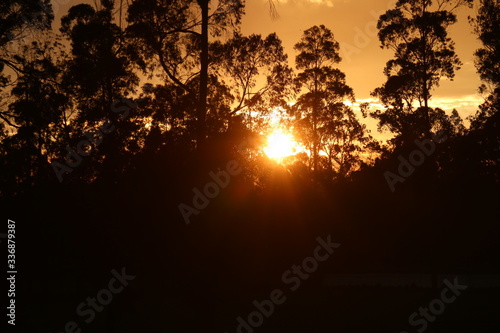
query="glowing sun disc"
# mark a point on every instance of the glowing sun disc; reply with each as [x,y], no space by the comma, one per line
[280,145]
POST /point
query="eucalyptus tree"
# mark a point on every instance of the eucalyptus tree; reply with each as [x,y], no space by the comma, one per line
[37,108]
[321,109]
[345,140]
[97,74]
[256,71]
[231,8]
[487,27]
[98,70]
[417,32]
[485,123]
[173,36]
[18,20]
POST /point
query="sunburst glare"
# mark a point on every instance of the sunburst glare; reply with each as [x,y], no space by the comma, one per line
[280,145]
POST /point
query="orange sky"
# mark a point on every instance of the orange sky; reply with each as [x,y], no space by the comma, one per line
[353,23]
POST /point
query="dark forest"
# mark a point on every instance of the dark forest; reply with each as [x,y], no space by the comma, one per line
[161,171]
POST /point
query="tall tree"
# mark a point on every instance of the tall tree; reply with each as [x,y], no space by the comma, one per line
[257,72]
[173,35]
[202,103]
[344,140]
[416,30]
[19,19]
[38,109]
[485,123]
[324,86]
[487,27]
[99,70]
[202,106]
[98,73]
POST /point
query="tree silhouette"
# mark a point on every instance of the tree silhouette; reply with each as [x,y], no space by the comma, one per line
[176,34]
[38,110]
[344,140]
[99,70]
[20,19]
[416,30]
[254,218]
[487,27]
[484,124]
[256,69]
[97,74]
[322,114]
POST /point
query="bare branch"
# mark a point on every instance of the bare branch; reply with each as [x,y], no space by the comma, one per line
[273,12]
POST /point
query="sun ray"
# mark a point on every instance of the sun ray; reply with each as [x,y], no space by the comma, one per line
[280,145]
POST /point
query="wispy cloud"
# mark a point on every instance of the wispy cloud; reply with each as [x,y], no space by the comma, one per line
[328,3]
[465,105]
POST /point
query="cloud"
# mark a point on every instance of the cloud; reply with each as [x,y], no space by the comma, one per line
[328,3]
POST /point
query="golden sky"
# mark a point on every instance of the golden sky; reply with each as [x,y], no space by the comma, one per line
[353,23]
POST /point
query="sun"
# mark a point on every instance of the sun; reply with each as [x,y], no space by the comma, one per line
[280,145]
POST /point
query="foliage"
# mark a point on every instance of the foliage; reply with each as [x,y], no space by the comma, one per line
[416,30]
[256,69]
[18,20]
[325,122]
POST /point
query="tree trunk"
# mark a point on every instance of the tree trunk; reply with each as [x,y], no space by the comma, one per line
[425,76]
[315,140]
[315,129]
[203,92]
[426,106]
